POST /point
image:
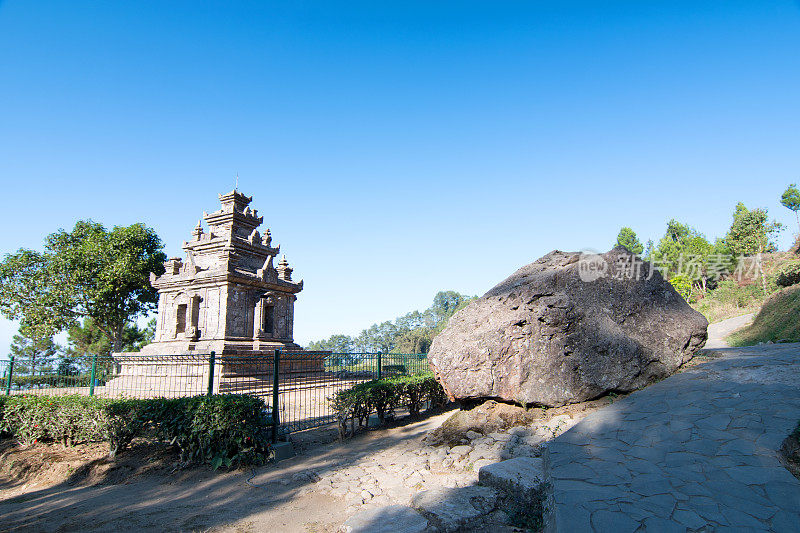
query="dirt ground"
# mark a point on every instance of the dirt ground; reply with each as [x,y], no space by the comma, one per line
[47,487]
[50,488]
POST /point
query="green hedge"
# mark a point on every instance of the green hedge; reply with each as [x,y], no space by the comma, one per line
[382,396]
[789,274]
[225,429]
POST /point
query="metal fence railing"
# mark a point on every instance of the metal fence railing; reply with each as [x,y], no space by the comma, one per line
[296,386]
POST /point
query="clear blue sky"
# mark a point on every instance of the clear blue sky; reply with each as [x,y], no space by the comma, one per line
[397,148]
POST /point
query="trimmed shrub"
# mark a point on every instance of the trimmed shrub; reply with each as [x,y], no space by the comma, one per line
[789,274]
[66,419]
[228,429]
[225,429]
[382,396]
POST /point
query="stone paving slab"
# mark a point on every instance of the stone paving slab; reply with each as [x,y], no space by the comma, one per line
[450,510]
[520,478]
[389,519]
[696,450]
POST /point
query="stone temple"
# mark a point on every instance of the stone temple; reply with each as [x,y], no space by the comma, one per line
[226,295]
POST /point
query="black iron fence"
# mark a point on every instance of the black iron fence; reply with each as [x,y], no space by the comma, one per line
[296,386]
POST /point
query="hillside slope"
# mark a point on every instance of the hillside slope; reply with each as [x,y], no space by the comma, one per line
[778,320]
[742,293]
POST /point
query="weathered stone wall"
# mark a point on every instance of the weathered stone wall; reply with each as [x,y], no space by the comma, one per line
[224,282]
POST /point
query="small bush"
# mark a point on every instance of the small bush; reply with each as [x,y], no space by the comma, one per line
[221,430]
[382,396]
[683,285]
[789,274]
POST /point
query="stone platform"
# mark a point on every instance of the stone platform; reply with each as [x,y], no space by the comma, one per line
[182,375]
[695,451]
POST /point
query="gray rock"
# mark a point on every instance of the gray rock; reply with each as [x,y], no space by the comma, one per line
[451,509]
[460,451]
[552,334]
[389,519]
[488,418]
[480,463]
[520,478]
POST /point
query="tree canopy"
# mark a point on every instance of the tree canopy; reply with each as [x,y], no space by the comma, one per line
[627,238]
[87,339]
[32,352]
[791,200]
[89,272]
[684,251]
[752,232]
[410,333]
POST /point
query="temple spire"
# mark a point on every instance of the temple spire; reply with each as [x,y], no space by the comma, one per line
[198,230]
[284,270]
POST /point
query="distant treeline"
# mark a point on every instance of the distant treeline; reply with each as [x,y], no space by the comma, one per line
[410,333]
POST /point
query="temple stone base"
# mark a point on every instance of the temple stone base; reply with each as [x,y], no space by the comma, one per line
[169,376]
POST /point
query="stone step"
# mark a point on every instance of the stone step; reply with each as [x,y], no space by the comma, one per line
[521,478]
[453,509]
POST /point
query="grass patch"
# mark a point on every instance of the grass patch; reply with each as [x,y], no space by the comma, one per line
[778,320]
[730,300]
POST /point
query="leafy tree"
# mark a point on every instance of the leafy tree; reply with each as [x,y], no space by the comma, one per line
[791,200]
[752,232]
[446,303]
[89,272]
[627,238]
[414,341]
[674,247]
[685,251]
[145,336]
[88,339]
[32,352]
[410,333]
[67,366]
[336,344]
[648,250]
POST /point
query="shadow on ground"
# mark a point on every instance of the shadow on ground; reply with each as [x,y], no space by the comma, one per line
[265,498]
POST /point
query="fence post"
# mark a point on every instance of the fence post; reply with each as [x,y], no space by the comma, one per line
[10,373]
[92,376]
[379,365]
[211,361]
[276,361]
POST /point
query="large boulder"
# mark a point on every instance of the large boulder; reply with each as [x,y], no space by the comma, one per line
[568,328]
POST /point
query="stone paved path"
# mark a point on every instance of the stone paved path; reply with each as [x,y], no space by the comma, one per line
[696,451]
[719,330]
